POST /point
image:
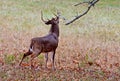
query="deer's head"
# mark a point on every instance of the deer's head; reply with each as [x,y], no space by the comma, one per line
[53,21]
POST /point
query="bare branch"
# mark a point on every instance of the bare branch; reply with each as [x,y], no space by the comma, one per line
[92,3]
[82,3]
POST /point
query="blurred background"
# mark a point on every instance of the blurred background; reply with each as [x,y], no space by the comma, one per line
[88,48]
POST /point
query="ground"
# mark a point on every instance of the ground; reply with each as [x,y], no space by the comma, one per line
[89,48]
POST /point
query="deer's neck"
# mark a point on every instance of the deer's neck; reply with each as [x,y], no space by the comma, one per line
[54,29]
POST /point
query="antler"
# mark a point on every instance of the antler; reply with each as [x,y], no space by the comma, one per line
[91,3]
[57,15]
[42,17]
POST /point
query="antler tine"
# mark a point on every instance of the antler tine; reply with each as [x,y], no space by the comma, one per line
[42,17]
[55,14]
[58,14]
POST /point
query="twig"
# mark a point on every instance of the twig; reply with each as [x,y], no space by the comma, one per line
[82,3]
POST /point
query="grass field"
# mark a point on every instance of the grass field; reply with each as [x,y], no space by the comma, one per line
[89,48]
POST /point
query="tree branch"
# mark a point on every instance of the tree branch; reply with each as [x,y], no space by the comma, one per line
[82,3]
[91,3]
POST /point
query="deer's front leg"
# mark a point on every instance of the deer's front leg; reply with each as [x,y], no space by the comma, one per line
[53,59]
[46,60]
[35,54]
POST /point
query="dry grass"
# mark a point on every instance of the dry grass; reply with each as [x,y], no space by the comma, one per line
[89,49]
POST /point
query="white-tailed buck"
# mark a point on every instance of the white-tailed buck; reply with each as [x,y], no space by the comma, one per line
[45,44]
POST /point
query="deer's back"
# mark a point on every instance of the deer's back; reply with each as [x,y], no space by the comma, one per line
[47,43]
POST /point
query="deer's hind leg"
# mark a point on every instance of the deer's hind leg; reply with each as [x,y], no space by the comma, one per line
[34,55]
[25,55]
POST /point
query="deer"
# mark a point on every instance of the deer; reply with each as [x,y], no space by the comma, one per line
[45,44]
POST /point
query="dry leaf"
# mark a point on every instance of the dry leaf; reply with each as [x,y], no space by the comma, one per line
[76,61]
[1,61]
[25,64]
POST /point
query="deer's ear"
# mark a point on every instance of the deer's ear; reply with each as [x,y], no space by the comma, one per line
[57,19]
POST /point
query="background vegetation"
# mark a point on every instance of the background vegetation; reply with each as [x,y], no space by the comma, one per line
[89,48]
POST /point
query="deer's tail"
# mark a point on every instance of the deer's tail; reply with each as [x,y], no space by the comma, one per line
[31,46]
[30,51]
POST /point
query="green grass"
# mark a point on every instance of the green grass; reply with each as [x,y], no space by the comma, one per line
[25,14]
[9,58]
